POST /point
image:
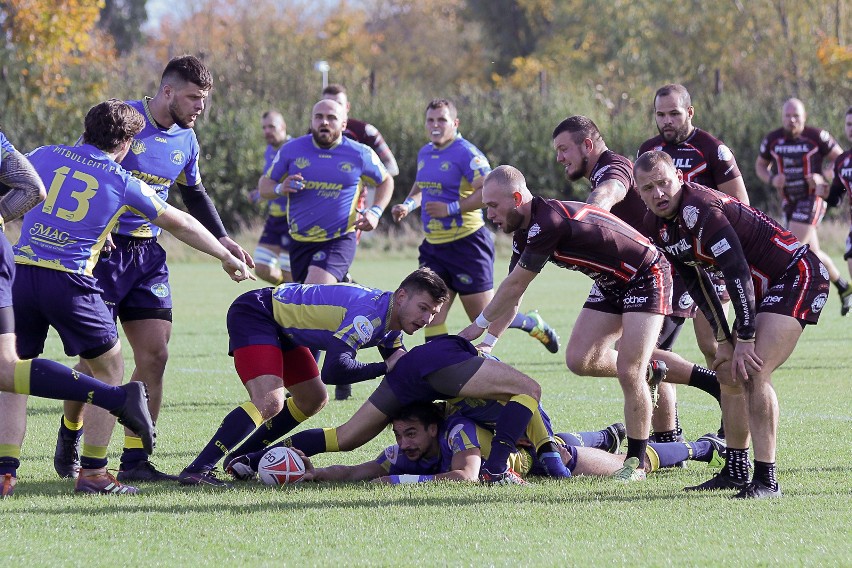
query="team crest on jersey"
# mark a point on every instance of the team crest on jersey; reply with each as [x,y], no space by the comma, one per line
[658,148]
[664,233]
[319,255]
[445,166]
[534,231]
[824,135]
[465,279]
[478,162]
[137,146]
[302,163]
[363,327]
[392,453]
[345,167]
[685,301]
[690,216]
[724,153]
[178,157]
[823,271]
[160,290]
[818,303]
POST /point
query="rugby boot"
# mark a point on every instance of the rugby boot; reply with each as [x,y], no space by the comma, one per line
[66,456]
[720,450]
[7,485]
[508,477]
[757,490]
[656,374]
[206,477]
[144,471]
[240,468]
[134,414]
[845,301]
[718,482]
[631,471]
[101,482]
[543,332]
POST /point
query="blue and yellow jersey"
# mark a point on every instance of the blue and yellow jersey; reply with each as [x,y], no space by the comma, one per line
[274,207]
[6,147]
[327,206]
[160,157]
[457,434]
[447,175]
[314,315]
[86,194]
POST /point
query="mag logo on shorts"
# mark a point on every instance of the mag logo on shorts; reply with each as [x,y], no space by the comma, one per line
[363,327]
[160,290]
[819,303]
[685,301]
[465,279]
[319,256]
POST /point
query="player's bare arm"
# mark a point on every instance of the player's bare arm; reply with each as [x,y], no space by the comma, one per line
[607,194]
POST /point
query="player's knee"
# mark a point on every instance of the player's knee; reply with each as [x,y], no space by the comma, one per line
[270,404]
[578,363]
[312,403]
[731,389]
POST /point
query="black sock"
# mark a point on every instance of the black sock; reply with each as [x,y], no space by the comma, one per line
[737,464]
[705,379]
[636,449]
[842,285]
[667,436]
[765,472]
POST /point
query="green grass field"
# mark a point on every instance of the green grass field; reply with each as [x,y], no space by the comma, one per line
[578,522]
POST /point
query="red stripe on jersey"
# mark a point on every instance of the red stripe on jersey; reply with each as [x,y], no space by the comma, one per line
[806,164]
[626,275]
[761,282]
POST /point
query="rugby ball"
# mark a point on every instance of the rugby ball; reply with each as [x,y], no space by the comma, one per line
[280,466]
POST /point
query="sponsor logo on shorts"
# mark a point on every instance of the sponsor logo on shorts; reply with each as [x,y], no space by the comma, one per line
[771,300]
[137,146]
[465,279]
[724,153]
[595,295]
[319,255]
[345,167]
[534,231]
[685,301]
[823,271]
[720,247]
[178,157]
[160,290]
[363,327]
[634,300]
[818,303]
[690,216]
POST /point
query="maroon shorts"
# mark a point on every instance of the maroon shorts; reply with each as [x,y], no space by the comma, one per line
[682,303]
[649,291]
[809,210]
[800,293]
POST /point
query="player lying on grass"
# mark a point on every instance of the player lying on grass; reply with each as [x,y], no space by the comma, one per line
[271,334]
[431,447]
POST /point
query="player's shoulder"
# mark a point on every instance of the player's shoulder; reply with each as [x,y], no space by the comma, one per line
[818,135]
[655,143]
[462,144]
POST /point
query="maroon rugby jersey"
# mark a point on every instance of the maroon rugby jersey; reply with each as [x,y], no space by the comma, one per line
[716,232]
[582,237]
[611,166]
[797,158]
[701,157]
[366,133]
[842,180]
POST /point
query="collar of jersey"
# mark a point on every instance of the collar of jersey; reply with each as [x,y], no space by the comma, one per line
[332,147]
[153,120]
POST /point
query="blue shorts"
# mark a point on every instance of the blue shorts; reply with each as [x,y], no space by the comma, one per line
[250,322]
[71,303]
[410,379]
[334,256]
[466,265]
[7,271]
[134,276]
[276,232]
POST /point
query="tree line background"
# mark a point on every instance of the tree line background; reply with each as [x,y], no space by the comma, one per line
[515,68]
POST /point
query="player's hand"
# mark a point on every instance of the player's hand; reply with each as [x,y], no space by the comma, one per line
[254,196]
[471,332]
[779,181]
[237,269]
[395,356]
[722,363]
[367,221]
[237,251]
[436,209]
[108,246]
[399,212]
[484,348]
[745,360]
[383,479]
[310,471]
[818,184]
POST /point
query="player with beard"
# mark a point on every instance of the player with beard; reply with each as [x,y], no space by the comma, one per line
[798,162]
[630,296]
[777,288]
[582,151]
[457,244]
[841,184]
[271,256]
[132,268]
[320,174]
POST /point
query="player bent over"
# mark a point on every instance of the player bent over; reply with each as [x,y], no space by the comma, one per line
[430,447]
[272,332]
[630,296]
[776,284]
